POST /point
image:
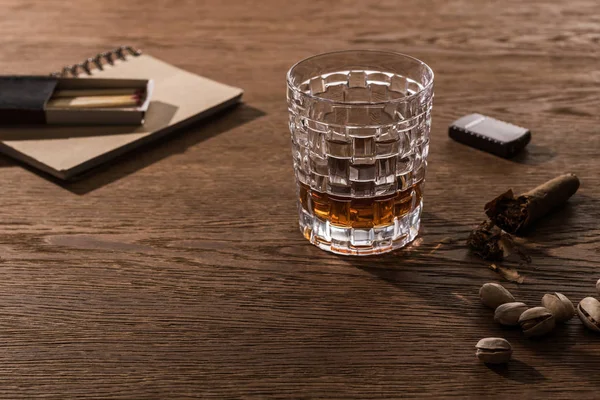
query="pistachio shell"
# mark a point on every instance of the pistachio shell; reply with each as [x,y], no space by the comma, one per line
[559,305]
[509,313]
[493,295]
[598,286]
[537,321]
[588,311]
[493,350]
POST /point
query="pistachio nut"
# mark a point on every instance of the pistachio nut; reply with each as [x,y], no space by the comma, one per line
[598,286]
[493,350]
[493,295]
[589,313]
[509,313]
[559,305]
[537,321]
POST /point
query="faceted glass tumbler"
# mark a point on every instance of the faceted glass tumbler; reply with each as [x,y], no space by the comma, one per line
[360,123]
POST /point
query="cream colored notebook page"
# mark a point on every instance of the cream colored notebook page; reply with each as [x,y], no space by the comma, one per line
[179,97]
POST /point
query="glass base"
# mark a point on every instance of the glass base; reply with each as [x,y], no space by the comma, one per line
[361,242]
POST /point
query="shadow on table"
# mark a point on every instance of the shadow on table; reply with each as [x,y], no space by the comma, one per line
[152,152]
[534,155]
[419,270]
[412,267]
[570,345]
[517,371]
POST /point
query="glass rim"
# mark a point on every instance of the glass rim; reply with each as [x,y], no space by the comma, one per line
[296,89]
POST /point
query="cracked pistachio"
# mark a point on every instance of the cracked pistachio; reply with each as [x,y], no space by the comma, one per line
[559,305]
[509,313]
[598,286]
[588,311]
[493,350]
[537,321]
[493,295]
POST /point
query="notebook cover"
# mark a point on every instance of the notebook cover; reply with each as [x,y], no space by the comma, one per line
[179,98]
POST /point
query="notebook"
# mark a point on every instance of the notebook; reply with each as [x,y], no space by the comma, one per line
[178,99]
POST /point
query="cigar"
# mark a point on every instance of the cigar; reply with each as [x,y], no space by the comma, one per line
[487,241]
[514,214]
[490,242]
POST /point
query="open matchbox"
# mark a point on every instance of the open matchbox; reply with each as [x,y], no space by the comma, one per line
[31,100]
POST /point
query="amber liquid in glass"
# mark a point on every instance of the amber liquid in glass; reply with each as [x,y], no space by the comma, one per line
[362,213]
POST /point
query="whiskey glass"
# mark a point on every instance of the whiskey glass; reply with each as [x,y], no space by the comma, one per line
[360,123]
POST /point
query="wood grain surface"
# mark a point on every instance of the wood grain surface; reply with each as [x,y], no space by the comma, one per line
[179,271]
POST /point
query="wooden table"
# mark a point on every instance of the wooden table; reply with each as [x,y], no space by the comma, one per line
[179,271]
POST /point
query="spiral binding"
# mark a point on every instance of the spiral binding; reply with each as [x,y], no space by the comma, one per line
[96,63]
